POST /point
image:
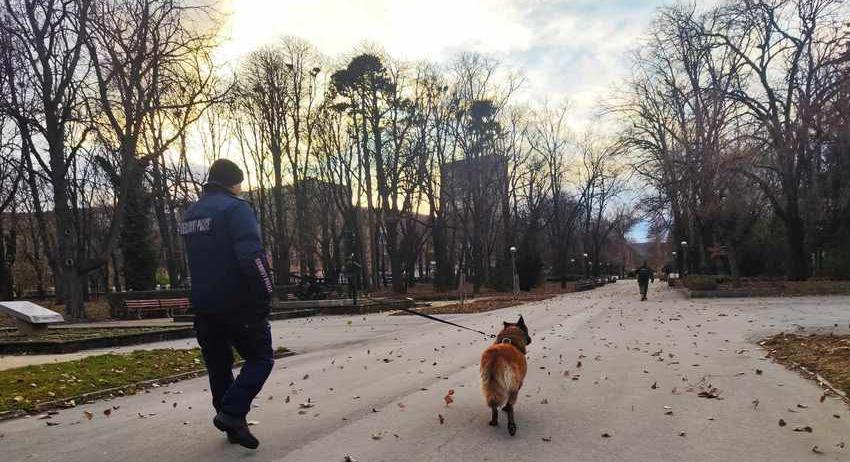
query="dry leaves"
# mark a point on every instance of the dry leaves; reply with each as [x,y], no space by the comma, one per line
[448,398]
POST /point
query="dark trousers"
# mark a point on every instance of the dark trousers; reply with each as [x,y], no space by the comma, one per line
[251,336]
[644,286]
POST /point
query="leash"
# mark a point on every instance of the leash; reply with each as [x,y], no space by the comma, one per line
[433,318]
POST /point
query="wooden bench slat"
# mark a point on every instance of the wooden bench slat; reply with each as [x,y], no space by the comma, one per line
[169,305]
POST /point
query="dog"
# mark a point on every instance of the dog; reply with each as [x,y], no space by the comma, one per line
[503,368]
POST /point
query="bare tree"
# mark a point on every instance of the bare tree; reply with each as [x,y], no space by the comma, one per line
[789,51]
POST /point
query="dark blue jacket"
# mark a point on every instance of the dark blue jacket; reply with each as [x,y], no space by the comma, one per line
[644,274]
[229,269]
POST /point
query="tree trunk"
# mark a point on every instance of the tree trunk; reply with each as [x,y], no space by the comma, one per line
[734,265]
[7,254]
[798,263]
[140,256]
[166,235]
[396,260]
[444,272]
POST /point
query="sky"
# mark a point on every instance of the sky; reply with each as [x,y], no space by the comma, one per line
[568,50]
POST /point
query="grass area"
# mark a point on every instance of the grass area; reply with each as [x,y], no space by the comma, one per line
[24,388]
[827,355]
[61,334]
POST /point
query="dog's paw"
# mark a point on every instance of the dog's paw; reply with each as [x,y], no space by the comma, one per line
[512,429]
[494,423]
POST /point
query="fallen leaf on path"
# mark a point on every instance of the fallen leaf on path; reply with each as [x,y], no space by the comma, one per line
[816,450]
[88,415]
[442,419]
[806,429]
[448,398]
[547,439]
[712,393]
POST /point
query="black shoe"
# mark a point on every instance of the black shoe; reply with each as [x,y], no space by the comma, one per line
[237,430]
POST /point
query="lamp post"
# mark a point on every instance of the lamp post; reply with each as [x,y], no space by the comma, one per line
[684,258]
[586,268]
[674,263]
[514,276]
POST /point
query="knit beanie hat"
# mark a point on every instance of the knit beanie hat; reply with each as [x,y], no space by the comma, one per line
[225,173]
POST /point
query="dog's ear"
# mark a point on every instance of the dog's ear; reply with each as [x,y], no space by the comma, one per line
[521,324]
[506,323]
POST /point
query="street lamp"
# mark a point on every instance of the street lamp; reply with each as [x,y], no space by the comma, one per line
[514,276]
[684,258]
[586,269]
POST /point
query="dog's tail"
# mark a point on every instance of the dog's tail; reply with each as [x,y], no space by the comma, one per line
[497,380]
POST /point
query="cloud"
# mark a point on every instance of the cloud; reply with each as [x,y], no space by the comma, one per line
[568,49]
[409,29]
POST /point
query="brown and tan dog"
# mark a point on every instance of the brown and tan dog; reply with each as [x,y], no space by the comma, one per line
[503,369]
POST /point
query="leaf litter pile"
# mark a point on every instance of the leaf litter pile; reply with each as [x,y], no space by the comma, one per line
[480,306]
[813,355]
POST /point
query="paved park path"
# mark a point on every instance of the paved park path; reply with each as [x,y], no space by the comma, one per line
[372,388]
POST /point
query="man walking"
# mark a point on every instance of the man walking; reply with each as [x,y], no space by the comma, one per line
[231,292]
[644,274]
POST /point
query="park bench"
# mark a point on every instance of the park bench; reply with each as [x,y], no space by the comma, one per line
[29,317]
[169,306]
[585,284]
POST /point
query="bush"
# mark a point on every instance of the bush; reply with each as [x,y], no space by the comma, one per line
[700,282]
[723,279]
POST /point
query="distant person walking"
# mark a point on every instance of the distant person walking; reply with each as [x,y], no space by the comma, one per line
[644,275]
[231,293]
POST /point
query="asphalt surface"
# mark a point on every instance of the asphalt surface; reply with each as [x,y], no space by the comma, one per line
[372,388]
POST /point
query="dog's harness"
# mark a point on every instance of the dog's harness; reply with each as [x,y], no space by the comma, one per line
[508,341]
